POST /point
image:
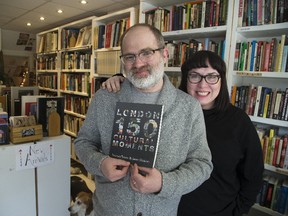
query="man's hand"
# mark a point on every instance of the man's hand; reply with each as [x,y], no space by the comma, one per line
[113,83]
[114,169]
[151,182]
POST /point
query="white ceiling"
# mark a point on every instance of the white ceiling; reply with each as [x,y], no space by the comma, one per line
[15,14]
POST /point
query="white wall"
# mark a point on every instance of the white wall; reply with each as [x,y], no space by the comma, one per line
[8,44]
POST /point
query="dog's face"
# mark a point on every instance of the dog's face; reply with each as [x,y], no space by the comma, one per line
[83,204]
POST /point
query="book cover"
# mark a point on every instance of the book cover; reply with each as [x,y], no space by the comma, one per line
[4,128]
[29,105]
[136,132]
[283,197]
[47,106]
[283,152]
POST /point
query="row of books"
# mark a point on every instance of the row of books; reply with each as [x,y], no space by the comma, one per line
[76,104]
[75,82]
[274,147]
[262,55]
[74,37]
[261,101]
[197,14]
[180,51]
[108,62]
[73,124]
[259,12]
[48,43]
[274,194]
[46,62]
[109,35]
[75,60]
[47,80]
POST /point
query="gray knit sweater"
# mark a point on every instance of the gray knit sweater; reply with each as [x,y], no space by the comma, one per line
[183,157]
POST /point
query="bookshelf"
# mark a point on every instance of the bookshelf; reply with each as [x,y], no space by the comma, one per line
[64,65]
[107,32]
[47,64]
[77,65]
[190,34]
[250,43]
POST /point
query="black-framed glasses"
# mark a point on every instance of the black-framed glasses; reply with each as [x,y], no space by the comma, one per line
[197,78]
[144,56]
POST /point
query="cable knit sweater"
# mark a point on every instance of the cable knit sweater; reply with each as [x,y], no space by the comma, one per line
[183,156]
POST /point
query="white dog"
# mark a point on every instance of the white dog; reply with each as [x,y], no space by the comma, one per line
[83,205]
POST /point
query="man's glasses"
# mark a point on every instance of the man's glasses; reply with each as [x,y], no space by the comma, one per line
[144,56]
[197,78]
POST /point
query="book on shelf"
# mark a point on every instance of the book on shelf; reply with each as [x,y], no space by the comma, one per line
[283,105]
[257,101]
[284,153]
[50,114]
[282,206]
[84,36]
[136,132]
[87,36]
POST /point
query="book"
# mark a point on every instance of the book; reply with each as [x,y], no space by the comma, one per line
[136,132]
[283,152]
[47,106]
[29,104]
[283,197]
[4,128]
[257,101]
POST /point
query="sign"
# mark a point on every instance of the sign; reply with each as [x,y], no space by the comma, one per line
[34,155]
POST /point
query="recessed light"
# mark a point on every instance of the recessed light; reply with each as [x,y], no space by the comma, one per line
[42,18]
[29,24]
[83,2]
[60,11]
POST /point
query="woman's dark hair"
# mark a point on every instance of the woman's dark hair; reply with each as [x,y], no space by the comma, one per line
[201,59]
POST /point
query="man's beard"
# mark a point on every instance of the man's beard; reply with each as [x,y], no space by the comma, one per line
[155,75]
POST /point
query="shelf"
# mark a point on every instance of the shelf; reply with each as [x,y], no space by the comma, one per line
[70,133]
[215,31]
[75,70]
[266,210]
[111,17]
[47,89]
[75,93]
[269,121]
[276,169]
[256,74]
[74,114]
[263,30]
[82,48]
[46,71]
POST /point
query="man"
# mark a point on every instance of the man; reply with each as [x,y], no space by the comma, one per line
[183,159]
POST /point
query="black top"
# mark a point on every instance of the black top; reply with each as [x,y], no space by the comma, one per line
[238,167]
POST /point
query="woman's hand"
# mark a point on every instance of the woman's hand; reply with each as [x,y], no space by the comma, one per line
[113,84]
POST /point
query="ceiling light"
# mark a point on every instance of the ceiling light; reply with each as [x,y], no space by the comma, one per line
[29,24]
[83,2]
[60,11]
[42,18]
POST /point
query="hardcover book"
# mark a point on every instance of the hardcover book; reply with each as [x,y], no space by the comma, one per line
[136,133]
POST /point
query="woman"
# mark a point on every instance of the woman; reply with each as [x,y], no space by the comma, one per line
[236,151]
